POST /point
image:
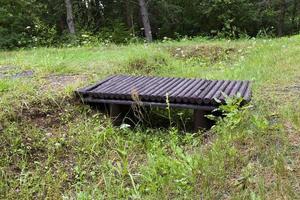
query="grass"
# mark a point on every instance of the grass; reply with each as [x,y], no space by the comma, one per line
[51,146]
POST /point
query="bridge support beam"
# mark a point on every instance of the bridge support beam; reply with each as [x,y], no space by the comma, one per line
[201,121]
[118,113]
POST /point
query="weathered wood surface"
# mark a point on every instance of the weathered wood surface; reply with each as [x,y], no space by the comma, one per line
[203,96]
[156,91]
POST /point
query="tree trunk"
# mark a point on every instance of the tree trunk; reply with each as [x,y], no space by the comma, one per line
[294,13]
[70,19]
[145,19]
[129,16]
[281,18]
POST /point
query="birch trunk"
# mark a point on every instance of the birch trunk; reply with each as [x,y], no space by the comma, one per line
[70,19]
[145,19]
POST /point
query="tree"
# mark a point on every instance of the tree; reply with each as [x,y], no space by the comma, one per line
[26,23]
[281,17]
[145,19]
[295,9]
[16,23]
[70,19]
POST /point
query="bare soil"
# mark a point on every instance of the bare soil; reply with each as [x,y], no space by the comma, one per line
[11,72]
[44,119]
[59,82]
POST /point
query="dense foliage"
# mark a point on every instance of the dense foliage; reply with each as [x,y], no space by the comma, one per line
[43,22]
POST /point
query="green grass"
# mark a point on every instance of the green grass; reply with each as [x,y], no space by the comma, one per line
[51,146]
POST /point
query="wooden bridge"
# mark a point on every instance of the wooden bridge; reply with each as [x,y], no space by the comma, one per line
[201,95]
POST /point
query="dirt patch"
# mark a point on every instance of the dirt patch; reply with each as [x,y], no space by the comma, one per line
[60,82]
[290,92]
[212,53]
[5,69]
[295,88]
[50,114]
[11,72]
[23,74]
[44,119]
[293,134]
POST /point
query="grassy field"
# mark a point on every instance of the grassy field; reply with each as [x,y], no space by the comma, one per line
[52,146]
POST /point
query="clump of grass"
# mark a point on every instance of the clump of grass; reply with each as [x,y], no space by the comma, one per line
[146,64]
[4,85]
[206,52]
